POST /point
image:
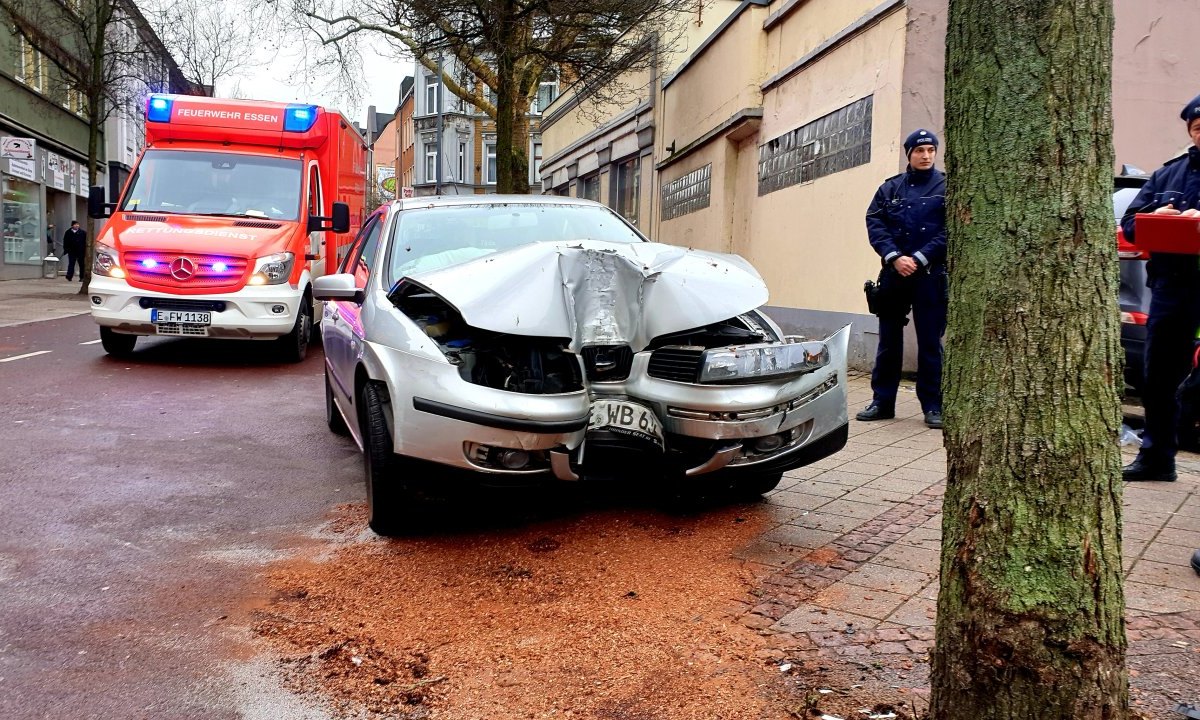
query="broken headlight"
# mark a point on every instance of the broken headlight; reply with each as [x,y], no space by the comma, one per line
[746,363]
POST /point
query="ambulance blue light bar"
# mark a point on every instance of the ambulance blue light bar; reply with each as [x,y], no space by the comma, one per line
[299,118]
[158,108]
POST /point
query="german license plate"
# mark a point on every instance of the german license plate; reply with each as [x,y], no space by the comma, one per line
[182,317]
[626,418]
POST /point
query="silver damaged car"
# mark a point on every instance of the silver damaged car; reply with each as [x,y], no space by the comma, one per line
[538,337]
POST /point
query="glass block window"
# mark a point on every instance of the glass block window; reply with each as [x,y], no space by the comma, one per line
[687,194]
[838,141]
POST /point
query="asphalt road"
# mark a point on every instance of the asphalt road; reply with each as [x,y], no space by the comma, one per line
[140,500]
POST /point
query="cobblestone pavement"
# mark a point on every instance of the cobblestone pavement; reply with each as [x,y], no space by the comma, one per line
[855,557]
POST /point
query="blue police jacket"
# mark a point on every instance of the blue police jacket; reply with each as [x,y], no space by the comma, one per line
[1175,183]
[908,217]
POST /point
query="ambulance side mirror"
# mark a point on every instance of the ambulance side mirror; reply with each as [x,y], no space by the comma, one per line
[339,222]
[97,207]
[341,217]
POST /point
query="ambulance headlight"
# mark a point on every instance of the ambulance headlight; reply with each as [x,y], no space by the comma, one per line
[106,262]
[273,269]
[158,109]
[299,118]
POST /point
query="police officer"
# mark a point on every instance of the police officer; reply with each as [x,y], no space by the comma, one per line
[1174,280]
[906,224]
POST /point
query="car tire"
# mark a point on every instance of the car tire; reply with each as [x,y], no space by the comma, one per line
[333,416]
[752,486]
[294,346]
[115,343]
[388,498]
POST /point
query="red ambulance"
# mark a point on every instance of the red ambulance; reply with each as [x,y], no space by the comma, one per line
[231,211]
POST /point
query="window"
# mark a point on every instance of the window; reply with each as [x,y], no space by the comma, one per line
[838,141]
[462,162]
[687,194]
[431,91]
[31,65]
[431,163]
[314,192]
[536,168]
[628,188]
[361,256]
[547,91]
[589,188]
[489,151]
[437,237]
[216,183]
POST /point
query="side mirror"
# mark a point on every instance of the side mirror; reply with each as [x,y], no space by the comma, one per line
[97,207]
[341,217]
[340,286]
[339,222]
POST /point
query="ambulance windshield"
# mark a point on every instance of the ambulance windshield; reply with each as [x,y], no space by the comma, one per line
[215,183]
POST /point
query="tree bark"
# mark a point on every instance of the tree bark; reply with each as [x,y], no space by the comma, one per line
[1030,613]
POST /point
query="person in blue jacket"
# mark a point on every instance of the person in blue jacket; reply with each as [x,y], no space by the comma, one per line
[1174,317]
[906,225]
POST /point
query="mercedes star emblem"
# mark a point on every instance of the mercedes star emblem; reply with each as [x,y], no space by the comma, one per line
[183,268]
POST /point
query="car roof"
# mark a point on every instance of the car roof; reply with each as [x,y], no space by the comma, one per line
[433,201]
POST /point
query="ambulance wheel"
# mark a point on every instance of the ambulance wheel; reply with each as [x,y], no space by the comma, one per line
[333,416]
[388,497]
[294,345]
[115,343]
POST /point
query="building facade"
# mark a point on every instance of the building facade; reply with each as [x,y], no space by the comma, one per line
[44,127]
[405,142]
[464,161]
[771,136]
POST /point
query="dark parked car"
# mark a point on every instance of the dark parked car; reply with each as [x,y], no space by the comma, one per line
[1134,295]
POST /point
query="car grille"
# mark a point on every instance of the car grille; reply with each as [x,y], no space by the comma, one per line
[154,267]
[607,363]
[178,304]
[262,224]
[129,217]
[678,363]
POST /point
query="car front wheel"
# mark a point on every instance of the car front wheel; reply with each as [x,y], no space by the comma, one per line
[751,486]
[388,497]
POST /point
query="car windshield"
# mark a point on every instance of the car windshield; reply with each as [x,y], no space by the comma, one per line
[436,237]
[215,183]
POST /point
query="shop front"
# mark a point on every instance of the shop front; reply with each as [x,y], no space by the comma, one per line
[41,192]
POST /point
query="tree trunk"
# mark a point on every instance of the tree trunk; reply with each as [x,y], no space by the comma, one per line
[504,123]
[520,144]
[1030,613]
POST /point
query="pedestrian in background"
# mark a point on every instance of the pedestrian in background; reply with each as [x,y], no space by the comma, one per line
[50,239]
[74,245]
[1174,317]
[906,225]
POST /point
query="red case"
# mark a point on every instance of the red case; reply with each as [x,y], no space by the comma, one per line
[1167,233]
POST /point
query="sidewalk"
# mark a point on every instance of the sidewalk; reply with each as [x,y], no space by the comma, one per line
[23,301]
[856,556]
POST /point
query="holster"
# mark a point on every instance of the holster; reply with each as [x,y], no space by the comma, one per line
[883,297]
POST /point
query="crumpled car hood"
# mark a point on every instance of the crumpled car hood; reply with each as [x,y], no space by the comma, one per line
[598,293]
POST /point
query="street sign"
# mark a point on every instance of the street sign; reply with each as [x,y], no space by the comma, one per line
[23,169]
[17,148]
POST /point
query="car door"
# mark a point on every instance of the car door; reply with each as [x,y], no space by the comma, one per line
[341,325]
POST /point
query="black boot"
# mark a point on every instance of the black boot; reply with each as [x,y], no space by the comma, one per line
[1149,468]
[875,411]
[933,419]
[1196,561]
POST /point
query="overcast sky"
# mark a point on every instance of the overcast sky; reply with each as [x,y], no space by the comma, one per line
[278,79]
